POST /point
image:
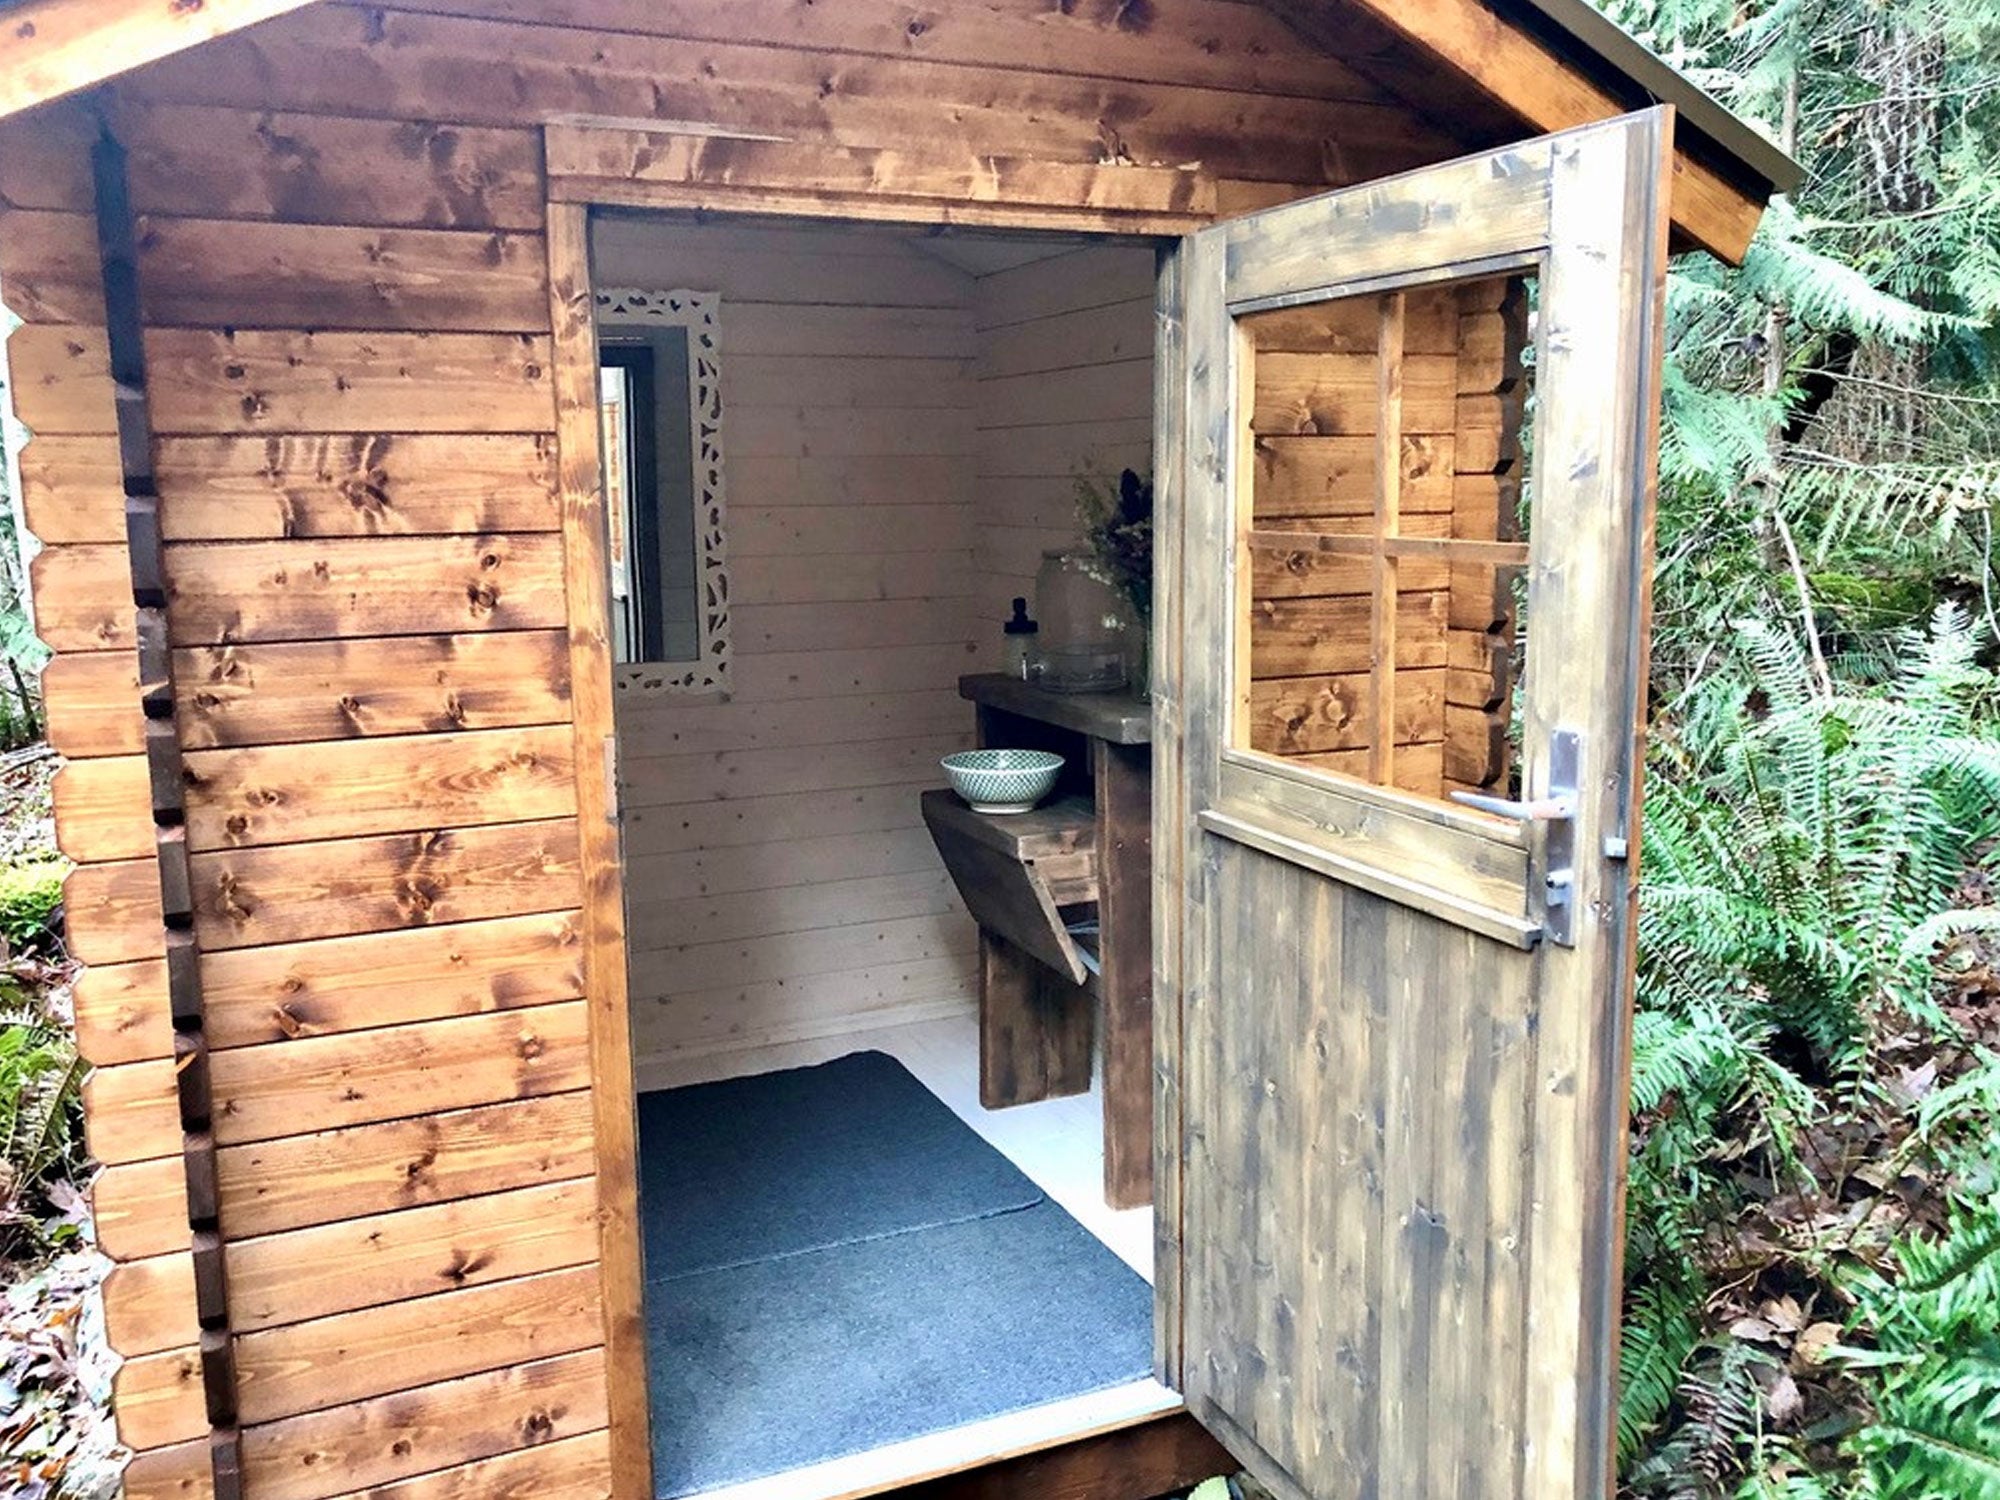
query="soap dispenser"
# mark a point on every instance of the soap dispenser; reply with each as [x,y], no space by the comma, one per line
[1020,633]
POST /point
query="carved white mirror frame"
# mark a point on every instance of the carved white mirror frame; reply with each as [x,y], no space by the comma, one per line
[700,313]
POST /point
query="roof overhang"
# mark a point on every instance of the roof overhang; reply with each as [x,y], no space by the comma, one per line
[1548,64]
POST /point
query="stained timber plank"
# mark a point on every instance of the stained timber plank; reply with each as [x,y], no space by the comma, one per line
[323,1083]
[286,692]
[335,1175]
[291,382]
[246,898]
[365,586]
[363,484]
[61,375]
[482,72]
[240,798]
[359,1263]
[223,273]
[579,1468]
[258,163]
[431,1429]
[72,489]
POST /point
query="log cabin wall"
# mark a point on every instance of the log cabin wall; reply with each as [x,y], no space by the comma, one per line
[780,882]
[353,422]
[1065,385]
[349,339]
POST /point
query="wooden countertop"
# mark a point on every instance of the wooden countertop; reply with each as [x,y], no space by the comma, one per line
[1119,718]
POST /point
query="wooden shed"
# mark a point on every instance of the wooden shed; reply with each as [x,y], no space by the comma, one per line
[528,490]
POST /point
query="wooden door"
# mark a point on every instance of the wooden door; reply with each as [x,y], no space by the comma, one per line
[1404,670]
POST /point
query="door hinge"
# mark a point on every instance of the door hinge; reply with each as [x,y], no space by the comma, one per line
[614,805]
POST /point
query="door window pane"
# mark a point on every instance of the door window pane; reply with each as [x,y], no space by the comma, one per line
[1385,532]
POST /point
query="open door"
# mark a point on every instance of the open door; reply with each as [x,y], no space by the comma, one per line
[1406,661]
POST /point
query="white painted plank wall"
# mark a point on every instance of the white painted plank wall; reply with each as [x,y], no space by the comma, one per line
[1065,382]
[780,884]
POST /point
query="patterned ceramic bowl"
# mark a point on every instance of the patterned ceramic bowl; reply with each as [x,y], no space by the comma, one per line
[1002,781]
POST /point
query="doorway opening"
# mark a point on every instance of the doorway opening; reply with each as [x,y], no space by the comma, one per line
[879,1236]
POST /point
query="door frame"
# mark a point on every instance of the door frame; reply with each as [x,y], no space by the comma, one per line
[747,178]
[738,176]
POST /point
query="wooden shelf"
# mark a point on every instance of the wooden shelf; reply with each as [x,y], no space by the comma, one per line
[1017,870]
[1119,718]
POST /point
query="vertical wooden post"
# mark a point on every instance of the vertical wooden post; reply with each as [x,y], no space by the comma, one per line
[1124,777]
[1171,815]
[124,329]
[613,1102]
[1388,525]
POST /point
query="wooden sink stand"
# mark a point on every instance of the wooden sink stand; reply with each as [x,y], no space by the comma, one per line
[1091,843]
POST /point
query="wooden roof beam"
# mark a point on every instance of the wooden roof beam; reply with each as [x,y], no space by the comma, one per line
[49,48]
[1514,69]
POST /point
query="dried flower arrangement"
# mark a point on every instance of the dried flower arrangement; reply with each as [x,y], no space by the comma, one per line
[1118,525]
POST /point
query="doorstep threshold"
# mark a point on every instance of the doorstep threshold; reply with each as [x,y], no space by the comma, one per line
[958,1449]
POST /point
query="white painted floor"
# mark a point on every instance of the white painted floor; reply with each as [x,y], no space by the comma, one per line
[1059,1143]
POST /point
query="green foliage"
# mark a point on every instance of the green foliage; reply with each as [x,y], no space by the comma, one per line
[1809,1308]
[29,895]
[1937,1351]
[41,1079]
[1806,859]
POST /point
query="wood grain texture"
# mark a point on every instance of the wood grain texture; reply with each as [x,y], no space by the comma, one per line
[61,374]
[903,184]
[281,694]
[1201,42]
[578,1468]
[239,798]
[390,1438]
[335,1175]
[352,1356]
[363,586]
[614,1117]
[49,264]
[363,484]
[335,985]
[462,71]
[230,273]
[1374,1084]
[286,693]
[50,48]
[271,381]
[359,1263]
[72,488]
[252,897]
[321,1083]
[200,161]
[432,1428]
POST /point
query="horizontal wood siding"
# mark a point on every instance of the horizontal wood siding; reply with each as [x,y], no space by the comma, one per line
[774,851]
[348,345]
[1065,388]
[343,271]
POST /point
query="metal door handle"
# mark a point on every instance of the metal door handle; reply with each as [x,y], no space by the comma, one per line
[1557,808]
[1549,809]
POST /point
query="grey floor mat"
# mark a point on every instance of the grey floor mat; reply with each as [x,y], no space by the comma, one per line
[792,1317]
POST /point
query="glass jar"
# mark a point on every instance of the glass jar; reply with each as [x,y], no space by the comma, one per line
[1083,621]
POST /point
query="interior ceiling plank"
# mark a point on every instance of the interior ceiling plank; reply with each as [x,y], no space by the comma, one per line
[1514,79]
[50,48]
